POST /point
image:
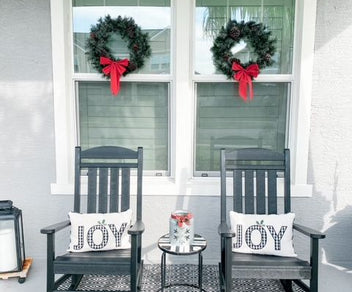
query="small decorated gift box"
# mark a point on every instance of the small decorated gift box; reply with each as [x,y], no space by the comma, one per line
[181,228]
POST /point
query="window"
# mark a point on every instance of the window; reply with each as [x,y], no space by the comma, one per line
[138,116]
[154,17]
[223,119]
[193,110]
[277,15]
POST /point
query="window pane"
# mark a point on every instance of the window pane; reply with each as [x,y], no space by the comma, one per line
[277,15]
[225,121]
[153,16]
[138,116]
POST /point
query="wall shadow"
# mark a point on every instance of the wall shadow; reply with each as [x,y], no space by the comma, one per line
[329,25]
[338,248]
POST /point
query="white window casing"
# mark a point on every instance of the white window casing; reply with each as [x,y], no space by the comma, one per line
[182,102]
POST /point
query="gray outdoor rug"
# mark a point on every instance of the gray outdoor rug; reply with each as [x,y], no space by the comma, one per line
[175,274]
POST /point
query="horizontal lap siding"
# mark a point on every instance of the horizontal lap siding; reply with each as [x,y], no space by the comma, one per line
[147,122]
[225,121]
[138,116]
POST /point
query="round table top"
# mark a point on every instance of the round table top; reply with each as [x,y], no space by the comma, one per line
[197,246]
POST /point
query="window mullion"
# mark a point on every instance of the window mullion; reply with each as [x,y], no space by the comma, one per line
[183,99]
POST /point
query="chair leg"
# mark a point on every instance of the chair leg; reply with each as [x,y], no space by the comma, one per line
[228,265]
[221,278]
[314,262]
[287,284]
[302,285]
[140,276]
[222,266]
[75,280]
[50,277]
[50,280]
[134,263]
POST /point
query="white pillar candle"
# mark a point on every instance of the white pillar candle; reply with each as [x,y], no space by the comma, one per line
[8,257]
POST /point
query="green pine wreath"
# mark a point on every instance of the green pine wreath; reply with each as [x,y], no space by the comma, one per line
[254,34]
[100,35]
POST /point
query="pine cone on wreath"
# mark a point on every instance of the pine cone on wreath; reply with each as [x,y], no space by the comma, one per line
[235,33]
[104,52]
[131,67]
[235,60]
[226,58]
[131,31]
[254,28]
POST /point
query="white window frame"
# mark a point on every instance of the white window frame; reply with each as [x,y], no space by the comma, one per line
[182,101]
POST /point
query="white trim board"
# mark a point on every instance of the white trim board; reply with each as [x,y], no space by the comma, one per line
[182,100]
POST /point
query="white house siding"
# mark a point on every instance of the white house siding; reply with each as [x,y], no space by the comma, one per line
[26,116]
[27,161]
[330,155]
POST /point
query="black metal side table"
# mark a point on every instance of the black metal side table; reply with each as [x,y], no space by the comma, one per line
[196,247]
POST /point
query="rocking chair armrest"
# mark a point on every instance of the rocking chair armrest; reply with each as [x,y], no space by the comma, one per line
[55,227]
[308,231]
[225,231]
[137,228]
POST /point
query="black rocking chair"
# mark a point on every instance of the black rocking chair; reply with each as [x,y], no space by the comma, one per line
[258,170]
[108,180]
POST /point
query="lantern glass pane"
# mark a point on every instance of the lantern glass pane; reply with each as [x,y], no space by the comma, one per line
[8,253]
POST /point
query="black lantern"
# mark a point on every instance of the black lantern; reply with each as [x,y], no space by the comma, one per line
[11,238]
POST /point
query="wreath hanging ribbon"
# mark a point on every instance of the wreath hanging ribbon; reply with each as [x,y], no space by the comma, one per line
[115,69]
[182,219]
[259,40]
[101,56]
[245,76]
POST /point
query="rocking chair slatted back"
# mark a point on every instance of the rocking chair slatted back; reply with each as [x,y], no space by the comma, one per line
[108,181]
[92,191]
[103,190]
[258,171]
[114,190]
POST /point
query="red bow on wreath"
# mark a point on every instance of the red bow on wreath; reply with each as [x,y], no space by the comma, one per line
[115,69]
[182,219]
[245,76]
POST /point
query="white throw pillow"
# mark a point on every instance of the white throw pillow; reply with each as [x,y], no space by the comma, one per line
[263,234]
[99,231]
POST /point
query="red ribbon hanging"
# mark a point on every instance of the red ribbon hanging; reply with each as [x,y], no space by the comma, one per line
[244,76]
[115,69]
[182,219]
